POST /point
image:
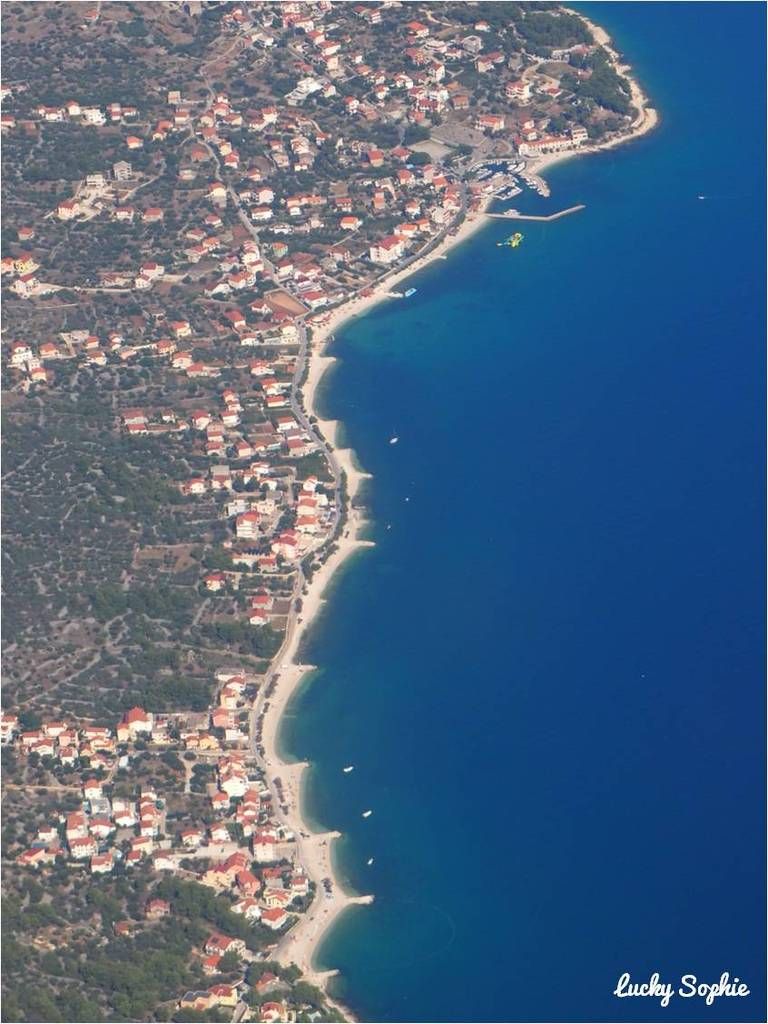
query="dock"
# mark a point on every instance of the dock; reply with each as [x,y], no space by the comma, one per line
[516,215]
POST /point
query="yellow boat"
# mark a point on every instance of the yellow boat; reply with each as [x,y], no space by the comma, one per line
[513,241]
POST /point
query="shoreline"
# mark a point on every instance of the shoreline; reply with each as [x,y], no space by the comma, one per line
[315,849]
[300,944]
[647,117]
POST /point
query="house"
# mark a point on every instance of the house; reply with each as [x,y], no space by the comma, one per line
[247,526]
[122,170]
[163,862]
[102,863]
[133,723]
[248,883]
[264,848]
[388,250]
[236,318]
[181,328]
[200,419]
[218,944]
[9,726]
[21,354]
[219,833]
[274,917]
[268,982]
[181,360]
[191,838]
[210,964]
[215,582]
[92,789]
[150,271]
[75,826]
[36,857]
[102,828]
[198,1001]
[81,849]
[490,122]
[248,907]
[276,897]
[272,1012]
[286,545]
[68,209]
[156,909]
[519,92]
[224,995]
[417,29]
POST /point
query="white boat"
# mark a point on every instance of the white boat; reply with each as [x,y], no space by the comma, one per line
[394,440]
[369,861]
[367,814]
[409,293]
[701,197]
[349,768]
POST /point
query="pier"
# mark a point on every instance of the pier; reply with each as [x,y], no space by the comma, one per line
[516,215]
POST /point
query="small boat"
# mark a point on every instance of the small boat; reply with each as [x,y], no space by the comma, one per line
[409,293]
[367,814]
[348,769]
[369,861]
[394,440]
[701,197]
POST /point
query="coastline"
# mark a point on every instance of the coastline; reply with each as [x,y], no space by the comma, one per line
[647,117]
[300,944]
[315,848]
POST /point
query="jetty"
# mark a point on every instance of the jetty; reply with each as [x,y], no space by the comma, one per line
[516,215]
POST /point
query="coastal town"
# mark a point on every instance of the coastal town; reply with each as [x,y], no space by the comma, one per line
[196,196]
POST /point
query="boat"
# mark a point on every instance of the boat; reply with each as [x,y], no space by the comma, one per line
[349,768]
[409,293]
[394,440]
[369,861]
[513,241]
[367,814]
[701,197]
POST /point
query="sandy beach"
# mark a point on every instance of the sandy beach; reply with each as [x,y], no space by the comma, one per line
[299,946]
[314,848]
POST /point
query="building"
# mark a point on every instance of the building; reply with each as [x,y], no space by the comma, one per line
[389,250]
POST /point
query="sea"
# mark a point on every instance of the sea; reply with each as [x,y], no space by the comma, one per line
[549,671]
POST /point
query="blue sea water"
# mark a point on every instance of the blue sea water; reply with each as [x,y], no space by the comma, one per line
[549,671]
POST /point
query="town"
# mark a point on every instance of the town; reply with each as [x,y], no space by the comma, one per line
[238,848]
[192,192]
